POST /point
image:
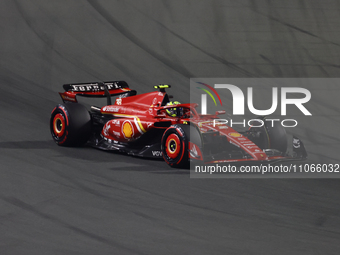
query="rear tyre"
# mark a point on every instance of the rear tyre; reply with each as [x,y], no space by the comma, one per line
[70,124]
[175,144]
[271,135]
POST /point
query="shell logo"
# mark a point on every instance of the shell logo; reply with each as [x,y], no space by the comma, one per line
[235,134]
[127,129]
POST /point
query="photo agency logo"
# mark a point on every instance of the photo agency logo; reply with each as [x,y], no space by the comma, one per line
[301,96]
[204,97]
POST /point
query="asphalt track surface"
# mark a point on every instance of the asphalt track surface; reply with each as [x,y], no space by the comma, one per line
[56,200]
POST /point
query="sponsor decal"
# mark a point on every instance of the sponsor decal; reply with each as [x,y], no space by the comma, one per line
[111,109]
[242,142]
[86,87]
[296,143]
[115,122]
[235,134]
[127,129]
[106,129]
[68,98]
[116,134]
[93,87]
[234,144]
[136,120]
[118,101]
[157,153]
[180,131]
[193,152]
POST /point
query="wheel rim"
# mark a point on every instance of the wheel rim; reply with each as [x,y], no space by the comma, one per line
[59,125]
[173,146]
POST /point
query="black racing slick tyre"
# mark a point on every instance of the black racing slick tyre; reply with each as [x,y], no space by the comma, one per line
[70,124]
[272,135]
[175,145]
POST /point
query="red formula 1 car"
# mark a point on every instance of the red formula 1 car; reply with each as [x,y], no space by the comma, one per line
[147,126]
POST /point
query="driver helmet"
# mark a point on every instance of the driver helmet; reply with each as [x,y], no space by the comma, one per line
[174,112]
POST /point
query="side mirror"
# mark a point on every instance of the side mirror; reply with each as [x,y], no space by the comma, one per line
[219,112]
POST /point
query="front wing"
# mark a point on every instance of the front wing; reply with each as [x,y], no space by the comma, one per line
[269,155]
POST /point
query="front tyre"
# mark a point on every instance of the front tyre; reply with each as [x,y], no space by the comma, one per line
[270,135]
[175,144]
[70,124]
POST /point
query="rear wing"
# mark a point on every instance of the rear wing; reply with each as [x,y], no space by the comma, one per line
[95,89]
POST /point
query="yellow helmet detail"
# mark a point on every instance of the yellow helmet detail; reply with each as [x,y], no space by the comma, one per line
[172,111]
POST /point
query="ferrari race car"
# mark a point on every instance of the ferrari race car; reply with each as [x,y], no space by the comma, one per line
[148,125]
